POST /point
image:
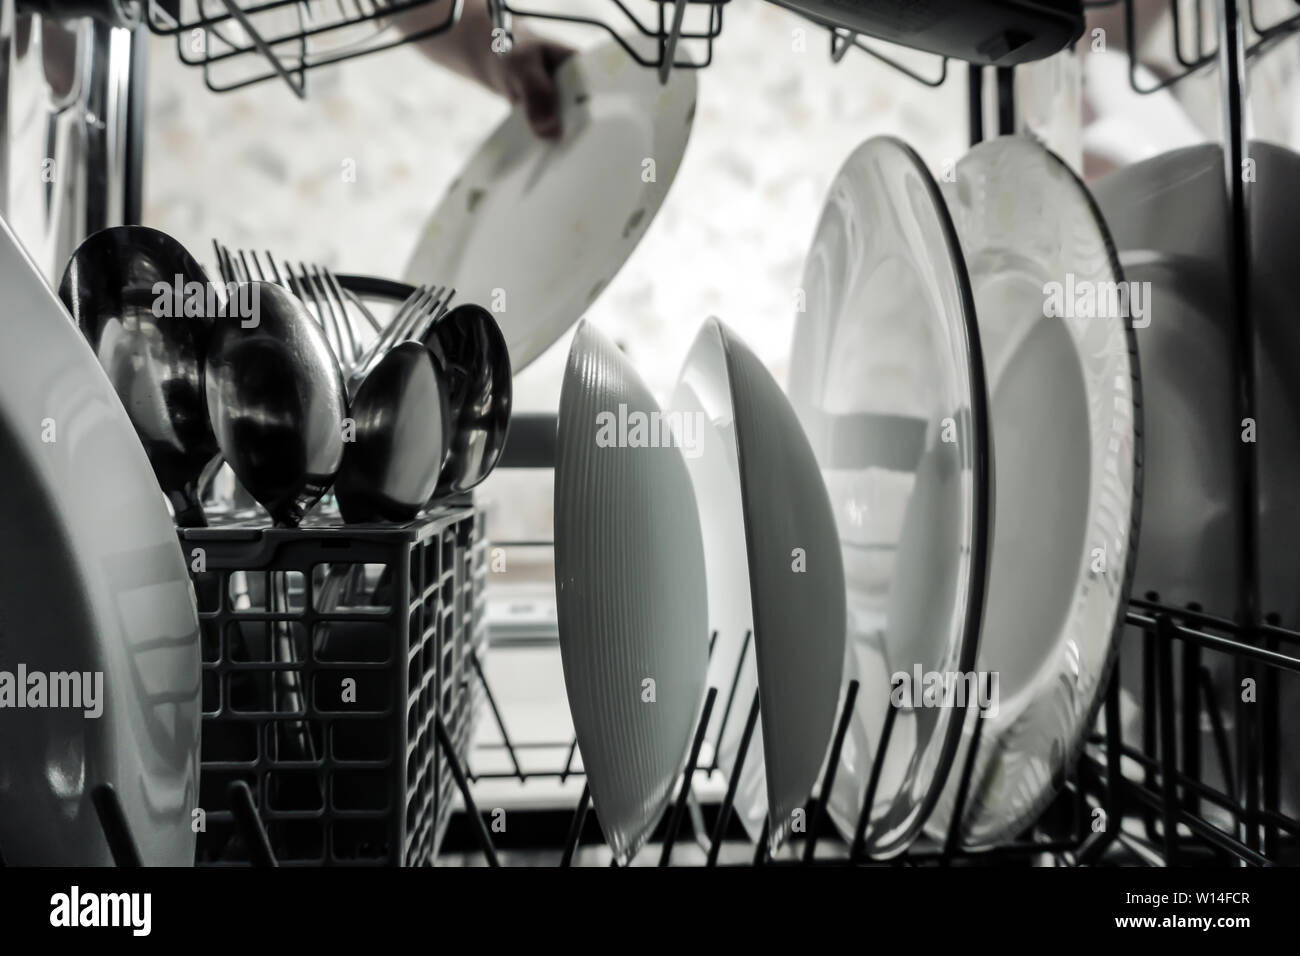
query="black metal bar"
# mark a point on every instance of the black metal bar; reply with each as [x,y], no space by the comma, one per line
[1204,791]
[828,782]
[669,43]
[1198,619]
[952,841]
[575,828]
[729,801]
[244,809]
[1221,747]
[496,714]
[568,760]
[1232,87]
[1241,651]
[858,851]
[299,85]
[1208,833]
[1111,805]
[1270,748]
[688,774]
[975,102]
[1006,100]
[117,832]
[1189,680]
[462,784]
[760,852]
[731,699]
[1168,737]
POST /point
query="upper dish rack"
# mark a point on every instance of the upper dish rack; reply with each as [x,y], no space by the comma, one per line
[237,43]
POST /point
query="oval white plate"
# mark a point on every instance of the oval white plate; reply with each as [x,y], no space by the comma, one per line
[535,230]
[630,590]
[796,576]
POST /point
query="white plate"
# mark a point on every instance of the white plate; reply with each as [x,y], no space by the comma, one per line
[630,591]
[1170,220]
[887,377]
[534,230]
[98,585]
[796,572]
[703,399]
[1064,405]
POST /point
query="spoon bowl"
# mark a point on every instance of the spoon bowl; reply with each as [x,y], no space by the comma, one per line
[130,290]
[468,346]
[276,400]
[392,468]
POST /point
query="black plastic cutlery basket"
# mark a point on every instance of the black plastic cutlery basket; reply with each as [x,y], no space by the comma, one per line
[328,654]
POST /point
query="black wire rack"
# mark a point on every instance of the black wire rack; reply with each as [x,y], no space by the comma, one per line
[237,43]
[679,34]
[1153,802]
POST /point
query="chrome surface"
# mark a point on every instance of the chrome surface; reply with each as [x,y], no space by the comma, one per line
[154,361]
[65,135]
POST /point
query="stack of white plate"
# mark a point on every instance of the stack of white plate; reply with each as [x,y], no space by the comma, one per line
[974,407]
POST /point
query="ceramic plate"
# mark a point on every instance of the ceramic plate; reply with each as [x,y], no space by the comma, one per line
[1170,219]
[887,377]
[1064,406]
[98,587]
[703,400]
[796,577]
[630,590]
[534,230]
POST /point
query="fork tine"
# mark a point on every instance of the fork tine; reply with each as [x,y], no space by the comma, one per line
[349,312]
[308,295]
[248,273]
[326,305]
[219,250]
[340,311]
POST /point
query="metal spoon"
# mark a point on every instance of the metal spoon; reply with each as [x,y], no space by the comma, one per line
[129,289]
[391,469]
[470,350]
[275,396]
[277,403]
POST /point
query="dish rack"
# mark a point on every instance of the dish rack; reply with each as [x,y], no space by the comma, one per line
[237,43]
[1148,804]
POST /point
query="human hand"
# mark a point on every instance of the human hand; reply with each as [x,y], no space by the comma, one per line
[526,75]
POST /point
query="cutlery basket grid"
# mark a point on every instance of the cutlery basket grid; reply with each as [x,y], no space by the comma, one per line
[237,43]
[328,652]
